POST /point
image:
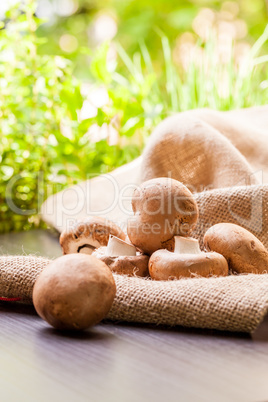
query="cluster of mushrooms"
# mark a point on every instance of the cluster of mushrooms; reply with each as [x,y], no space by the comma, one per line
[158,241]
[77,290]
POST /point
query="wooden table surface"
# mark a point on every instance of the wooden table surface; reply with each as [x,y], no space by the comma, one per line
[122,362]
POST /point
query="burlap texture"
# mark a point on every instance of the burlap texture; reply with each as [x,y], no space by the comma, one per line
[246,206]
[18,275]
[235,303]
[216,154]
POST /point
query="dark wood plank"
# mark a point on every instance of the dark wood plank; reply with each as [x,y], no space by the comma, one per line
[122,362]
[36,242]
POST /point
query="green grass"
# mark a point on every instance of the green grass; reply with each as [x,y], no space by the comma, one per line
[38,93]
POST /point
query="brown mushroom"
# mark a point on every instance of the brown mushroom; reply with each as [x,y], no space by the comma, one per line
[74,292]
[122,258]
[243,251]
[187,260]
[88,235]
[163,208]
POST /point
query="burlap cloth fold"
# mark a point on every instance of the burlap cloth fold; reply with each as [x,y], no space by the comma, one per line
[234,303]
[222,157]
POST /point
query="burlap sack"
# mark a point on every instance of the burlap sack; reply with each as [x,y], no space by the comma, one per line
[204,149]
[216,154]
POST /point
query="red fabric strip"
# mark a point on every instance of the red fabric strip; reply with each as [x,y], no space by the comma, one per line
[10,299]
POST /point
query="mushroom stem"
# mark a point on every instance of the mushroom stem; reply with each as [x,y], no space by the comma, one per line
[186,245]
[117,247]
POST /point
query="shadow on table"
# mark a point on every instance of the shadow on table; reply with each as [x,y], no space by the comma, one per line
[17,308]
[181,330]
[260,335]
[91,334]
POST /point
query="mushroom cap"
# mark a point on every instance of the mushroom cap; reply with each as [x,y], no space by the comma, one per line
[88,235]
[125,265]
[243,251]
[165,265]
[74,292]
[163,208]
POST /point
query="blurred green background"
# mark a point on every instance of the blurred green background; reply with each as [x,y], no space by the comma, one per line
[83,83]
[88,23]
